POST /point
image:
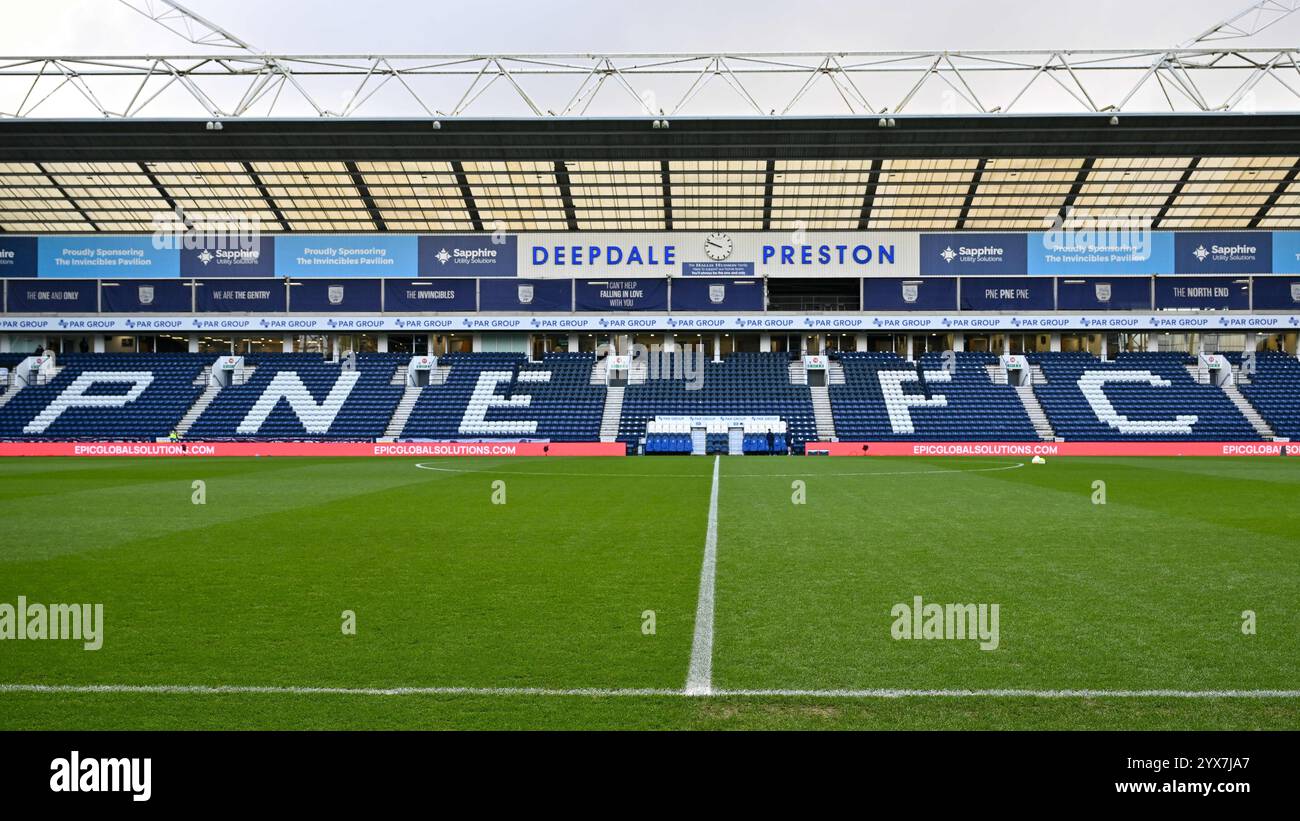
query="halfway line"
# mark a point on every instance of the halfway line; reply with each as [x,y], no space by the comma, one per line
[616,692]
[699,679]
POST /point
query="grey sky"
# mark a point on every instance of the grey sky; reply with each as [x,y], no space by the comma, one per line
[106,26]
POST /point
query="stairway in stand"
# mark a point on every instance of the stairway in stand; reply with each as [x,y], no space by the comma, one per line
[196,410]
[612,415]
[821,402]
[402,413]
[1256,421]
[1037,415]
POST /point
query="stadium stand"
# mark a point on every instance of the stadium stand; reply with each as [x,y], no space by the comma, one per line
[1144,396]
[743,384]
[301,396]
[1274,390]
[885,397]
[672,436]
[124,397]
[8,362]
[504,396]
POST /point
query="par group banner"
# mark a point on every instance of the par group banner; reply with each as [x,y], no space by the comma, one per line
[306,320]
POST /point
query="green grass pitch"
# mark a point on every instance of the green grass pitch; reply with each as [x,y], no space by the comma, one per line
[549,591]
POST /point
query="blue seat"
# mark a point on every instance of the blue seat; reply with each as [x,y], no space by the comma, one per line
[962,404]
[336,406]
[551,400]
[742,384]
[1152,394]
[59,410]
[1274,390]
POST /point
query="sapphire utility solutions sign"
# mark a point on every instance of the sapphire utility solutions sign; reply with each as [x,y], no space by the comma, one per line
[254,257]
[17,256]
[469,255]
[1223,252]
[972,254]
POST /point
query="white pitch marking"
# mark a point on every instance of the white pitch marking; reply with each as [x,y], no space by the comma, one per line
[699,678]
[602,692]
[620,475]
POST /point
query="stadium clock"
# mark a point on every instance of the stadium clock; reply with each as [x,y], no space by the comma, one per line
[717,246]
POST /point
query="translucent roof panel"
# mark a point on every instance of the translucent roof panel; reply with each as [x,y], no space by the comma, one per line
[1021,194]
[215,191]
[416,196]
[1134,188]
[921,194]
[516,196]
[30,201]
[1227,192]
[709,194]
[115,196]
[819,194]
[617,195]
[912,194]
[315,196]
[1285,211]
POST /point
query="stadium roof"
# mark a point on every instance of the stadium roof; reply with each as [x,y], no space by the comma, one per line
[854,173]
